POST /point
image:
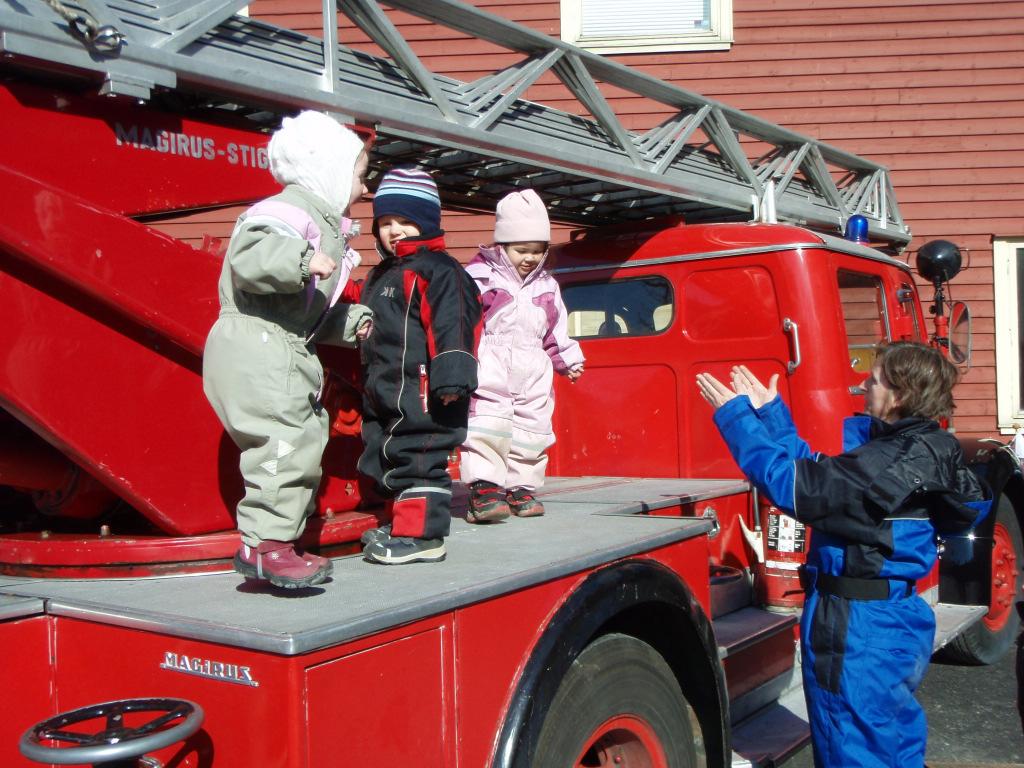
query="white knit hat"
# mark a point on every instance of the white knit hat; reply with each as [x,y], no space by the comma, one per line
[316,152]
[521,217]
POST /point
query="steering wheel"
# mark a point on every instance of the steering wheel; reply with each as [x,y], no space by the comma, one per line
[116,741]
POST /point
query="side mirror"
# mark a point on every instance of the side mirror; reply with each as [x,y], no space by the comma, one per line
[960,334]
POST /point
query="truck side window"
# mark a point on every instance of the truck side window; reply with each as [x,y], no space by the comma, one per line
[908,307]
[864,316]
[635,307]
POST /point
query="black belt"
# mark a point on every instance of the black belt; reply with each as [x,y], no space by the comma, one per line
[856,589]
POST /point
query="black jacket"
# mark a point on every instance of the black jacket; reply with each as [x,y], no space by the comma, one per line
[885,498]
[426,324]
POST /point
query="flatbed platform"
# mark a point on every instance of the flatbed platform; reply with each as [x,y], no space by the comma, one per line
[590,521]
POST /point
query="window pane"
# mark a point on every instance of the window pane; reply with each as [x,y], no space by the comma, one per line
[864,316]
[1020,324]
[606,18]
[913,316]
[639,307]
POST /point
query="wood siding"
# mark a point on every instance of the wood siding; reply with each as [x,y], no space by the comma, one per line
[934,89]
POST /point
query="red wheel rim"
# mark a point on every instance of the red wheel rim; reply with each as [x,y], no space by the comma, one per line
[1004,579]
[624,741]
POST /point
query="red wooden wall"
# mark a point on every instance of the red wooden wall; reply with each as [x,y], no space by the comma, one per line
[934,89]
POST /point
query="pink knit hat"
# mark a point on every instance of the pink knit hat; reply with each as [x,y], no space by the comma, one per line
[521,217]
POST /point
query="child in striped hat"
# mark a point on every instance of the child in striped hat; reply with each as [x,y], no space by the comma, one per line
[419,368]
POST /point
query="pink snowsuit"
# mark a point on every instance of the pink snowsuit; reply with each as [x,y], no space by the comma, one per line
[525,339]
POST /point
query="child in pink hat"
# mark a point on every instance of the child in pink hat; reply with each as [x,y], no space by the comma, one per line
[525,341]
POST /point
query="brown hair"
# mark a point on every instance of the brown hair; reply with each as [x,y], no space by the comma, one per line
[921,378]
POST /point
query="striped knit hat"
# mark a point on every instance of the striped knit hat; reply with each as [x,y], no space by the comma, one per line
[411,194]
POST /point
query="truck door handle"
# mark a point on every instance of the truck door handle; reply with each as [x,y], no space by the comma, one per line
[858,391]
[793,330]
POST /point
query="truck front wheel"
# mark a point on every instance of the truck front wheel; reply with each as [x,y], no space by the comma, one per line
[618,705]
[989,639]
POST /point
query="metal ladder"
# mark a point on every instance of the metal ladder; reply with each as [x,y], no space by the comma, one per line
[481,139]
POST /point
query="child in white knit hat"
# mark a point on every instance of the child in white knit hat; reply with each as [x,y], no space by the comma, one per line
[525,341]
[281,292]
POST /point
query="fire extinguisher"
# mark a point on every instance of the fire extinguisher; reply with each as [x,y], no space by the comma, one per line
[780,543]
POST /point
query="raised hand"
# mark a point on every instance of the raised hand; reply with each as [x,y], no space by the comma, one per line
[714,391]
[746,383]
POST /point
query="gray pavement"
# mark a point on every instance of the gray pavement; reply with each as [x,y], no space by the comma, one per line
[972,713]
[972,717]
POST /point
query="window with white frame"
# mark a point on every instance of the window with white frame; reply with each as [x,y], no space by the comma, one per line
[635,26]
[1008,279]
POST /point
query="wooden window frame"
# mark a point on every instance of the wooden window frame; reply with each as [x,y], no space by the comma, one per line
[718,38]
[1010,409]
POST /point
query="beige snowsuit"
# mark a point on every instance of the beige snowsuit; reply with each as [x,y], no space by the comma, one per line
[260,369]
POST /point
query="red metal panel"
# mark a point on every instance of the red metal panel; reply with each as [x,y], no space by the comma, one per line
[719,335]
[124,340]
[605,429]
[28,684]
[769,287]
[689,560]
[712,296]
[245,724]
[729,547]
[128,157]
[411,718]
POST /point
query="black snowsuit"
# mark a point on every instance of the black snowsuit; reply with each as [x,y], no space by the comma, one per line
[426,325]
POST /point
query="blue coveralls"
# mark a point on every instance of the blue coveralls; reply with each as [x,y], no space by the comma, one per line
[866,637]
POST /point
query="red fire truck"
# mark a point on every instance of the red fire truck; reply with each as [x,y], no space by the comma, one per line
[646,620]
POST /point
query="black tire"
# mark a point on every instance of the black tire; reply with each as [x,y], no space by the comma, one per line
[616,676]
[984,644]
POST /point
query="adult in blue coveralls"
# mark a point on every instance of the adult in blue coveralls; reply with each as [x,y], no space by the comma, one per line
[866,637]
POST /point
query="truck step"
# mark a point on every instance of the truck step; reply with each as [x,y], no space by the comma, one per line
[774,733]
[747,627]
[757,650]
[951,620]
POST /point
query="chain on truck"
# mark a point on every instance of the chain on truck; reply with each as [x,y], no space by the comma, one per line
[711,238]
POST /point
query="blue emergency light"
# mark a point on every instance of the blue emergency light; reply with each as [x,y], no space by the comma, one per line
[856,229]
